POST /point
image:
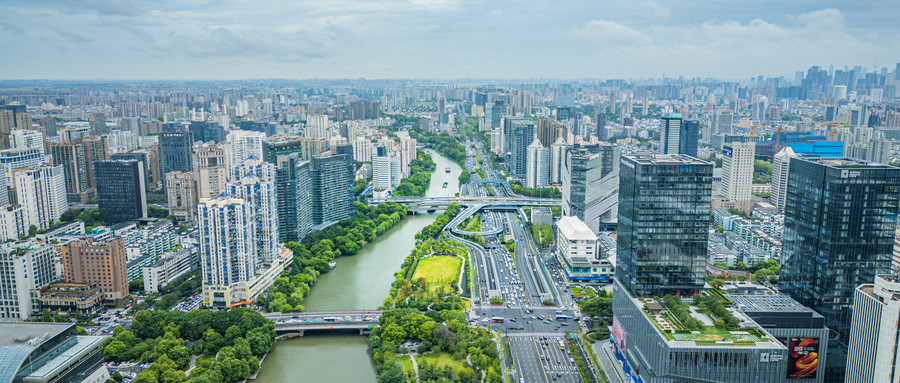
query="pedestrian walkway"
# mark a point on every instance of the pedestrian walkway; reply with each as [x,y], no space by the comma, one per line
[412,358]
[609,363]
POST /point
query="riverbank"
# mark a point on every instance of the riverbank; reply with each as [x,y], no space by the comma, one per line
[357,282]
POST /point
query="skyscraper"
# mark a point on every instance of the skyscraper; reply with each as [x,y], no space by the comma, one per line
[181,189]
[557,160]
[780,170]
[7,124]
[121,190]
[42,192]
[207,131]
[664,205]
[689,138]
[77,158]
[175,151]
[737,173]
[210,170]
[590,183]
[256,186]
[538,166]
[242,144]
[317,127]
[840,216]
[518,133]
[670,133]
[98,124]
[548,131]
[876,307]
[294,194]
[25,267]
[332,188]
[227,249]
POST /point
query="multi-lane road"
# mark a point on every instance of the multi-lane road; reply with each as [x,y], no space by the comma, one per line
[521,280]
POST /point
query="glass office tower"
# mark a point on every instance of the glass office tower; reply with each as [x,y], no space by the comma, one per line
[663,228]
[839,221]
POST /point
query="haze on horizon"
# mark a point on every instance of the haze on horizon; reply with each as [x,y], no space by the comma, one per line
[238,39]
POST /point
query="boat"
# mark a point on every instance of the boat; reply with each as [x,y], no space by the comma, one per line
[447,170]
[445,185]
[331,265]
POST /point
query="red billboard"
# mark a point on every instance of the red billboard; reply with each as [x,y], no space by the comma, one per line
[803,358]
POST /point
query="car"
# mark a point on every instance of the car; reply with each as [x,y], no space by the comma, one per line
[546,321]
[318,320]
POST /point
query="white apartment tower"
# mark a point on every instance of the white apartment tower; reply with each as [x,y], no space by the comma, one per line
[362,150]
[227,248]
[24,269]
[873,332]
[317,127]
[210,170]
[538,167]
[557,160]
[737,170]
[780,167]
[43,193]
[243,144]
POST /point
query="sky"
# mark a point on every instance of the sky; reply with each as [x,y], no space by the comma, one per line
[441,39]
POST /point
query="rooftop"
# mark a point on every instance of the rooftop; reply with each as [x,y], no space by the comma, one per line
[664,159]
[846,163]
[24,333]
[766,303]
[574,229]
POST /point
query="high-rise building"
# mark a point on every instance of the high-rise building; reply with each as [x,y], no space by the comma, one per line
[737,170]
[557,160]
[317,127]
[538,165]
[362,150]
[498,111]
[365,110]
[7,124]
[49,124]
[241,145]
[210,170]
[689,138]
[721,123]
[256,187]
[670,133]
[590,183]
[42,192]
[102,263]
[182,192]
[207,131]
[332,188]
[121,190]
[548,131]
[664,205]
[98,124]
[384,175]
[227,250]
[23,139]
[20,158]
[77,158]
[839,220]
[25,267]
[780,170]
[518,133]
[873,332]
[294,193]
[24,121]
[175,151]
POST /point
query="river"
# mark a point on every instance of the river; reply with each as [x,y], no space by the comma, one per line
[358,282]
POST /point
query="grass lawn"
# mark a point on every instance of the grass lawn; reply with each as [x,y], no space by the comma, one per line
[583,292]
[438,270]
[440,360]
[407,364]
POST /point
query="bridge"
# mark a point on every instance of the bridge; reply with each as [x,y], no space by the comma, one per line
[300,323]
[440,203]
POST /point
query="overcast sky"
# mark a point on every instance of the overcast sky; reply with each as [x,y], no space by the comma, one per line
[235,39]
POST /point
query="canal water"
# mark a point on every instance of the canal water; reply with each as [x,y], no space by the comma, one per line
[358,282]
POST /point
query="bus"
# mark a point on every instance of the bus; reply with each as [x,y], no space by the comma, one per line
[332,319]
[497,320]
[561,317]
[562,346]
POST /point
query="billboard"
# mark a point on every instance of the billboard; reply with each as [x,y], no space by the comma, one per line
[618,334]
[803,357]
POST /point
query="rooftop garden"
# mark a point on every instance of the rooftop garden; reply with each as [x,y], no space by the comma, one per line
[705,321]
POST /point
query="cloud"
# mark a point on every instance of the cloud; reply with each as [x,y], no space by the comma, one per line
[12,28]
[610,32]
[105,7]
[73,35]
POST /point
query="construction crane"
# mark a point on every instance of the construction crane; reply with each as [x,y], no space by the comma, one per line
[832,124]
[752,128]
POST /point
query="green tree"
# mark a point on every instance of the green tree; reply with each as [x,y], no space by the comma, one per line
[114,351]
[393,374]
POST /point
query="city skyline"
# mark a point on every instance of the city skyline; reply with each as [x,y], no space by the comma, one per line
[439,39]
